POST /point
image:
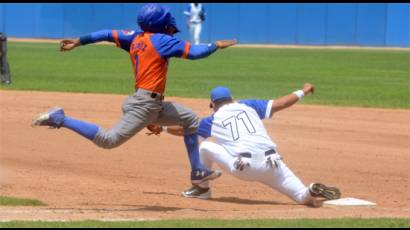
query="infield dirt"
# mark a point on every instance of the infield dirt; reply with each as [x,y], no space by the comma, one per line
[363,151]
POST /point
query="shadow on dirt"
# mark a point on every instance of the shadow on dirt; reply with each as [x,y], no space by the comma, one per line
[132,208]
[237,200]
[234,200]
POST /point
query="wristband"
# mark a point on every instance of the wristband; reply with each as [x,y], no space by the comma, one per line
[299,93]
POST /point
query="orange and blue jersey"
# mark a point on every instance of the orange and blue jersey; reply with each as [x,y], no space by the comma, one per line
[149,53]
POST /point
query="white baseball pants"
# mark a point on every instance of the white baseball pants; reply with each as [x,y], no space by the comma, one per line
[280,178]
[195,30]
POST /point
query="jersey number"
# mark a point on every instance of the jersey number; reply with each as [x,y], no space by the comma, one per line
[232,122]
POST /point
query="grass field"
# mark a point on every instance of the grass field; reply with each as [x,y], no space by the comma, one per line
[284,223]
[366,78]
[12,201]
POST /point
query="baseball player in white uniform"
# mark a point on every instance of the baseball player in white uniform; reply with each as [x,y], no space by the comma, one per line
[195,16]
[243,148]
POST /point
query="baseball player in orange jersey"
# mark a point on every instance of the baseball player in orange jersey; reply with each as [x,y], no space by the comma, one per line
[150,50]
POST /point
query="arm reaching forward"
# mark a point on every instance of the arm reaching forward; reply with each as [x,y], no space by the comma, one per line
[290,99]
[122,39]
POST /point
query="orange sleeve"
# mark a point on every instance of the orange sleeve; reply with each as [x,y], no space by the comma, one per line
[115,36]
[186,50]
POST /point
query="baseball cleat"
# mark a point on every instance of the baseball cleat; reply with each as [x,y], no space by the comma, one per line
[197,177]
[321,190]
[53,118]
[197,192]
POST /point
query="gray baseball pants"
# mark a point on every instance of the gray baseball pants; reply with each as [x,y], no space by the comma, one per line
[141,109]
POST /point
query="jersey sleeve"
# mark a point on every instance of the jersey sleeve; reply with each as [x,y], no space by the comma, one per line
[262,107]
[168,46]
[205,127]
[124,38]
[121,38]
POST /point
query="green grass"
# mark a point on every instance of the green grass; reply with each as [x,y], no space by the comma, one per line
[365,78]
[12,201]
[345,222]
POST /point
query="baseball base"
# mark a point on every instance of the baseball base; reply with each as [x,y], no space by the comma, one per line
[349,201]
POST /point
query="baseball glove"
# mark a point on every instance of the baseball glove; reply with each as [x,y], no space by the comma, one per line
[154,129]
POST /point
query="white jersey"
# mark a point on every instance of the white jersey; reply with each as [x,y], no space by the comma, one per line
[238,127]
[194,12]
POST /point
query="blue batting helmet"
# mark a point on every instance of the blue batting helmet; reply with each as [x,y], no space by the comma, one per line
[156,18]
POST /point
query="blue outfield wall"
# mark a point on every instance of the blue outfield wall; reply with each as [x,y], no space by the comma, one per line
[358,24]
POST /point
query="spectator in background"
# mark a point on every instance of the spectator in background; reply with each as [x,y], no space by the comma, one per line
[4,65]
[195,16]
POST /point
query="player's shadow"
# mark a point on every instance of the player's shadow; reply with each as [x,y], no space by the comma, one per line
[133,208]
[237,200]
[234,200]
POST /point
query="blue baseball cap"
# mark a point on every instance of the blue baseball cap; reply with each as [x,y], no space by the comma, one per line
[220,92]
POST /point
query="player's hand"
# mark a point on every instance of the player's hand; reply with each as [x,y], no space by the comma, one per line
[222,44]
[240,164]
[69,44]
[308,88]
[154,129]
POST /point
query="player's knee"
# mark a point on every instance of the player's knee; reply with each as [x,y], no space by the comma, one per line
[191,124]
[107,140]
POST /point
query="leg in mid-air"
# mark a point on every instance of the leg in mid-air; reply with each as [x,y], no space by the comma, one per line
[138,111]
[175,114]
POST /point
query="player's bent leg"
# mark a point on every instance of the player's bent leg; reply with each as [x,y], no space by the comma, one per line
[138,113]
[212,152]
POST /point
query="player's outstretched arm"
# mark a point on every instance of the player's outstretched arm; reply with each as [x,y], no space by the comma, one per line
[204,50]
[98,36]
[170,46]
[290,99]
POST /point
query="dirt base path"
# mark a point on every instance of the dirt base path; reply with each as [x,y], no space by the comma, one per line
[365,152]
